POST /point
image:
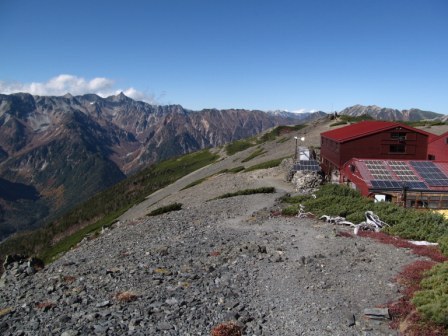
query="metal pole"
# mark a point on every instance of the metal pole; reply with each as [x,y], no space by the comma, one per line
[405,189]
[295,151]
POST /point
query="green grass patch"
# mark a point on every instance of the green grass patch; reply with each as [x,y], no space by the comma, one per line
[165,209]
[262,190]
[239,146]
[337,123]
[346,119]
[235,170]
[443,244]
[291,210]
[231,170]
[278,131]
[259,151]
[282,140]
[265,165]
[243,144]
[194,183]
[293,203]
[67,243]
[422,123]
[432,300]
[352,119]
[295,199]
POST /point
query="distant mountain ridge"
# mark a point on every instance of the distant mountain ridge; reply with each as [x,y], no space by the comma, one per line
[65,149]
[384,113]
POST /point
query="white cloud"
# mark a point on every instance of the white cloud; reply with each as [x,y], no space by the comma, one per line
[138,95]
[300,110]
[304,110]
[62,84]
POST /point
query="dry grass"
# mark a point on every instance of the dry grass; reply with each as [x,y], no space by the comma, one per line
[126,296]
[227,329]
[45,305]
[5,311]
[162,271]
[344,234]
[68,279]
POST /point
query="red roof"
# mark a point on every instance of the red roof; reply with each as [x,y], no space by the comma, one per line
[435,137]
[364,128]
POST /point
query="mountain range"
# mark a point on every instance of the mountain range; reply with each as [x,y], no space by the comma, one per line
[58,151]
[384,113]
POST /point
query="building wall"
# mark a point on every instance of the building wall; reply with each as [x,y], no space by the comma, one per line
[438,149]
[374,146]
[353,176]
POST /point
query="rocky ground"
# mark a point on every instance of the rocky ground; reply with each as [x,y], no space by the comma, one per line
[184,272]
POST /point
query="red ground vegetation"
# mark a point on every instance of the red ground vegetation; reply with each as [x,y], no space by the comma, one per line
[276,213]
[45,305]
[405,317]
[431,252]
[227,329]
[68,279]
[345,234]
[125,296]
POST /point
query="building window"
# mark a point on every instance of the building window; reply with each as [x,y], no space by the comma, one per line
[446,141]
[398,135]
[431,157]
[400,148]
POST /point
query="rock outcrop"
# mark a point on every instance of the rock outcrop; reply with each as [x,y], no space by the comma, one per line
[384,113]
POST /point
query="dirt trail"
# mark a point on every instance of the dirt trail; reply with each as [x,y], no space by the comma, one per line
[218,185]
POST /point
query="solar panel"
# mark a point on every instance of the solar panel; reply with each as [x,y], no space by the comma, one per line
[403,171]
[398,163]
[437,182]
[307,165]
[381,184]
[378,170]
[422,164]
[432,175]
[416,185]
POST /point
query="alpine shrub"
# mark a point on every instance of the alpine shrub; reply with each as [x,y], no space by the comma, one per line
[432,300]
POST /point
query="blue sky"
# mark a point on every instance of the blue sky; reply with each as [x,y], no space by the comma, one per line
[283,54]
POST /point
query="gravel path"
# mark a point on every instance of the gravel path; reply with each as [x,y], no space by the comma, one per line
[272,150]
[184,272]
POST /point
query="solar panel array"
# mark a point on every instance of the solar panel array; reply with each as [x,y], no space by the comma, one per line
[378,184]
[432,175]
[378,170]
[416,185]
[307,165]
[386,184]
[403,171]
[397,175]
